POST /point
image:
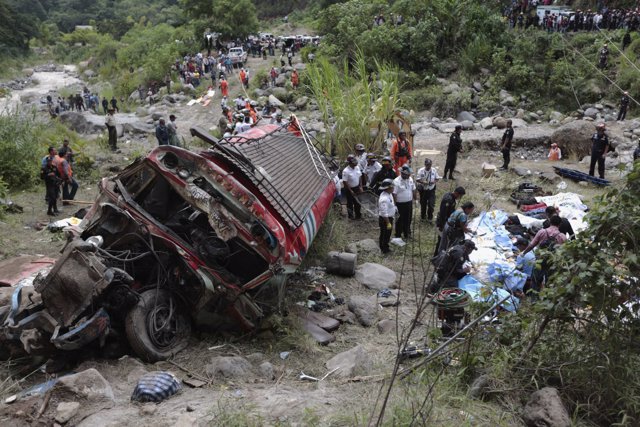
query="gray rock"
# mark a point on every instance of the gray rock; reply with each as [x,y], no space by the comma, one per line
[138,127]
[301,102]
[88,387]
[634,124]
[259,92]
[65,411]
[466,115]
[591,112]
[385,326]
[275,101]
[509,101]
[556,115]
[599,106]
[363,246]
[376,276]
[500,122]
[300,66]
[350,363]
[229,367]
[610,118]
[89,73]
[534,116]
[156,116]
[169,98]
[466,124]
[518,123]
[568,120]
[27,72]
[391,300]
[345,316]
[281,80]
[550,177]
[142,111]
[545,408]
[450,88]
[365,309]
[486,123]
[477,86]
[521,171]
[255,358]
[85,123]
[266,371]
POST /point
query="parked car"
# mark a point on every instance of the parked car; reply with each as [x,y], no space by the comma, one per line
[238,56]
[178,240]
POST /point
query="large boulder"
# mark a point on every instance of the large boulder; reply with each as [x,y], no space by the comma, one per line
[229,367]
[273,100]
[365,309]
[88,388]
[447,127]
[486,123]
[363,246]
[376,276]
[591,112]
[466,115]
[545,408]
[350,363]
[86,123]
[574,138]
[301,102]
[500,122]
[281,80]
[451,88]
[518,123]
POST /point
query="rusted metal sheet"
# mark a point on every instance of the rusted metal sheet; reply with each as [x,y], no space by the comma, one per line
[14,270]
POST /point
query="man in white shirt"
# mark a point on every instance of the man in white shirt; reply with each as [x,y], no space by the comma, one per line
[352,179]
[371,168]
[404,193]
[426,179]
[361,156]
[386,213]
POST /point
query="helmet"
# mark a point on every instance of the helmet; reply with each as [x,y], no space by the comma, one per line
[278,115]
[244,111]
[253,103]
[359,147]
[405,169]
[371,156]
[386,184]
[386,159]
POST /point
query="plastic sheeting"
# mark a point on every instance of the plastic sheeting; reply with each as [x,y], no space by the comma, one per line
[482,293]
[571,207]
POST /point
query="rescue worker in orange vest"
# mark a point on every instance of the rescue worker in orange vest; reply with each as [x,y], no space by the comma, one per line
[401,151]
[251,106]
[243,76]
[224,87]
[66,175]
[295,79]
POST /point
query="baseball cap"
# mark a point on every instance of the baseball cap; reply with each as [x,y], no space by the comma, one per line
[460,190]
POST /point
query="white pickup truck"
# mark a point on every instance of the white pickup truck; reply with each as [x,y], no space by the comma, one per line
[238,56]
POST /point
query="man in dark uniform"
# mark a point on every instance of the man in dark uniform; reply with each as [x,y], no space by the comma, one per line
[507,138]
[636,153]
[447,207]
[604,56]
[624,106]
[386,172]
[51,178]
[455,146]
[599,149]
[454,265]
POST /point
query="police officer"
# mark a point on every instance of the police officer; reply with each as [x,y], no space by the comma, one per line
[51,178]
[426,179]
[386,213]
[599,149]
[352,180]
[447,207]
[386,172]
[404,193]
[456,226]
[507,138]
[624,106]
[455,146]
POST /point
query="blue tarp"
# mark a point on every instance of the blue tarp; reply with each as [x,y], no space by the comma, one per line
[483,293]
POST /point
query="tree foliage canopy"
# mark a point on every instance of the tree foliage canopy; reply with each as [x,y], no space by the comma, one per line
[231,18]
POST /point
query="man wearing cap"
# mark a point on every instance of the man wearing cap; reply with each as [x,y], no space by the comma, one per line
[624,105]
[110,122]
[352,180]
[172,128]
[599,149]
[361,156]
[426,179]
[66,149]
[386,172]
[371,168]
[455,265]
[386,213]
[456,226]
[455,146]
[404,193]
[447,207]
[401,150]
[507,138]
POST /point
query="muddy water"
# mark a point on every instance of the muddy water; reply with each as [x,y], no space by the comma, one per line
[43,82]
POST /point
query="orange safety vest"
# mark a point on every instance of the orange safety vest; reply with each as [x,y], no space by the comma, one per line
[294,79]
[554,154]
[243,75]
[60,166]
[224,88]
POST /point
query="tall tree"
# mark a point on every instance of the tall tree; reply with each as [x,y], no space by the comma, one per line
[232,18]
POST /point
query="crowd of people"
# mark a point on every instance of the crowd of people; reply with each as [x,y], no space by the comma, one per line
[84,101]
[523,14]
